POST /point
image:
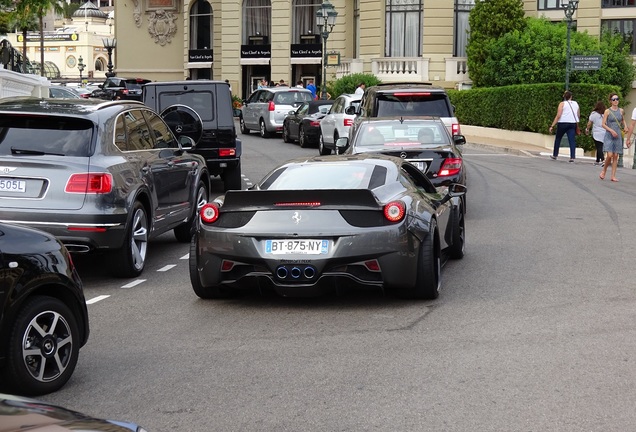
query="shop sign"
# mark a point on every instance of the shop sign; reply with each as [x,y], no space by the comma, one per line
[256,51]
[200,56]
[305,50]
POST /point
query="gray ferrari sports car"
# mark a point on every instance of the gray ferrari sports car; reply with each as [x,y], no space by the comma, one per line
[317,224]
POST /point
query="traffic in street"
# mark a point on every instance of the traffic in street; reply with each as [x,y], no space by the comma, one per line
[533,328]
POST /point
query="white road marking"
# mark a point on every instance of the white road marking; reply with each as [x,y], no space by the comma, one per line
[134,283]
[166,268]
[185,256]
[96,299]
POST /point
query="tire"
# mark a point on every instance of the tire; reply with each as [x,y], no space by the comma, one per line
[286,133]
[40,363]
[302,138]
[232,178]
[322,150]
[183,233]
[129,261]
[428,280]
[263,130]
[204,292]
[244,129]
[457,249]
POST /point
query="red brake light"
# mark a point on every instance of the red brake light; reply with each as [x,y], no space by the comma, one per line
[394,211]
[455,128]
[348,122]
[450,167]
[314,123]
[372,265]
[297,204]
[271,106]
[209,213]
[398,94]
[225,152]
[124,91]
[91,183]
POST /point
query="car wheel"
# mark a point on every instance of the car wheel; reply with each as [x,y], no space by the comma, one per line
[183,232]
[263,129]
[456,251]
[43,347]
[204,292]
[321,147]
[286,133]
[232,178]
[244,129]
[302,138]
[428,279]
[130,259]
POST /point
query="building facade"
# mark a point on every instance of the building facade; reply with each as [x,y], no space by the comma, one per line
[246,41]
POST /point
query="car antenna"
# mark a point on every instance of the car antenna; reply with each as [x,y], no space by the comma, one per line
[401,119]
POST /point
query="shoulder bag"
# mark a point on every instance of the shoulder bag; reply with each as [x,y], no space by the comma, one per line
[578,128]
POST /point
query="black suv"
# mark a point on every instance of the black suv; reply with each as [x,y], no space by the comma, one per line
[116,88]
[409,100]
[43,315]
[186,105]
[105,175]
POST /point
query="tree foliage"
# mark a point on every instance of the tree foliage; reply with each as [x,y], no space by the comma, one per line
[349,83]
[537,54]
[489,20]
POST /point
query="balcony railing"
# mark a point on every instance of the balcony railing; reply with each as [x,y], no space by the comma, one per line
[396,69]
[457,70]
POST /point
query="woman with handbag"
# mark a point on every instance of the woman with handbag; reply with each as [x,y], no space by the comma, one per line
[615,128]
[595,123]
[567,122]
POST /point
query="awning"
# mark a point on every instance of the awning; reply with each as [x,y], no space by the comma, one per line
[255,61]
[306,60]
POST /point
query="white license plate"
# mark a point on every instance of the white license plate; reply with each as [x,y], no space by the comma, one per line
[420,165]
[299,246]
[7,185]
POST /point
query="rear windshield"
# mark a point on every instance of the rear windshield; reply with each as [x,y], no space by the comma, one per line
[412,104]
[402,134]
[200,101]
[37,135]
[291,97]
[326,176]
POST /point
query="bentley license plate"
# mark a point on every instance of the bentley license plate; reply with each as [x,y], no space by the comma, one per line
[299,246]
[7,185]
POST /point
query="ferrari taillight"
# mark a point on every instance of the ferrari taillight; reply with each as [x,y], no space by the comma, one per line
[209,213]
[394,211]
[89,183]
[450,167]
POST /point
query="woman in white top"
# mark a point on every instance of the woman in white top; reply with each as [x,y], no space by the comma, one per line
[566,119]
[595,121]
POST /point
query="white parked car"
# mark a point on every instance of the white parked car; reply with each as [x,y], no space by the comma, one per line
[336,124]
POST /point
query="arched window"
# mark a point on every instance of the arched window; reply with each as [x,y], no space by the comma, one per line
[304,13]
[403,28]
[257,21]
[201,25]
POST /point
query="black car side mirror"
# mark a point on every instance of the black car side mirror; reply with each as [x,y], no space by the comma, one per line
[350,110]
[459,139]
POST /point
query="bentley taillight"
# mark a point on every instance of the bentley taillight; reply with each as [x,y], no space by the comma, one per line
[90,183]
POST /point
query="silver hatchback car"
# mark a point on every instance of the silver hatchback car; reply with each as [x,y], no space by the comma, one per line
[265,110]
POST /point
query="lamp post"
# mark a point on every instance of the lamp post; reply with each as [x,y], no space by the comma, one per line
[569,7]
[325,20]
[80,67]
[109,43]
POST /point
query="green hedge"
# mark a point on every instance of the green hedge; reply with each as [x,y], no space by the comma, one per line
[529,108]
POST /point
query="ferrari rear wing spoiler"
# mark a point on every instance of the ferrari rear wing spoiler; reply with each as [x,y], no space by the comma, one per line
[342,199]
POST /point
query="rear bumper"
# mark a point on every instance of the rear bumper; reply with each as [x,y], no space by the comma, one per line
[79,233]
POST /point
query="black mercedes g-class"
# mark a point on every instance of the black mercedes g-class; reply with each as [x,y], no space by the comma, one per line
[182,103]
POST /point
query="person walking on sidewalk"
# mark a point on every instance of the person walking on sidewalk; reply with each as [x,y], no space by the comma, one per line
[566,119]
[595,121]
[613,120]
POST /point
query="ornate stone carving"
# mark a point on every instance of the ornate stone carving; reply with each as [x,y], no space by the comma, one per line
[162,26]
[137,13]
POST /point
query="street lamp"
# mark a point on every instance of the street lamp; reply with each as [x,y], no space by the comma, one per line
[569,7]
[109,43]
[325,20]
[80,68]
